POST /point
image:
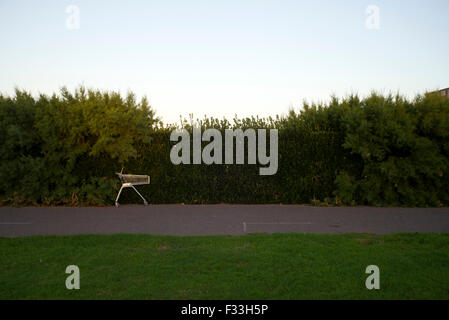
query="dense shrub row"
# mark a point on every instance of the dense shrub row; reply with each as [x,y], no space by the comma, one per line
[382,150]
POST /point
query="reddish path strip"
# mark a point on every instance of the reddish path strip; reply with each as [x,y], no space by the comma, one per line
[219,220]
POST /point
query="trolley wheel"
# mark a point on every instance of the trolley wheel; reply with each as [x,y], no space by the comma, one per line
[145,203]
[117,204]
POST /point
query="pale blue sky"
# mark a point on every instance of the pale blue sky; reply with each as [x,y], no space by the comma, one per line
[225,57]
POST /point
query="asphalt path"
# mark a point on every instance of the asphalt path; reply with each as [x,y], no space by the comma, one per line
[219,220]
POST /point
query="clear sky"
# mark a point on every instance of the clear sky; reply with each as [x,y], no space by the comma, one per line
[222,58]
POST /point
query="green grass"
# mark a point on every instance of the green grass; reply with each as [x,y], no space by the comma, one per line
[259,266]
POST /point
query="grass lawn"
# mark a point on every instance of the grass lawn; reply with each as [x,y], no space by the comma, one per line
[258,266]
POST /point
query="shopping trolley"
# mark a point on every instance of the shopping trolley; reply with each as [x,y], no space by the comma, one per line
[131,180]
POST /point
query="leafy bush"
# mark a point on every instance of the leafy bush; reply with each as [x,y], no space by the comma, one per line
[403,147]
[55,148]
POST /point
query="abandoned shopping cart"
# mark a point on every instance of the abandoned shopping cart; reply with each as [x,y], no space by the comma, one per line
[131,180]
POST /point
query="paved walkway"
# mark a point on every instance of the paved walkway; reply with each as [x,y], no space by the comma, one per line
[219,220]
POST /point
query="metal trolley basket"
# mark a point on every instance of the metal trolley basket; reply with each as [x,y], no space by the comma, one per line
[131,180]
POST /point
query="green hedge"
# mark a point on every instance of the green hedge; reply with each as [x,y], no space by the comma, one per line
[382,150]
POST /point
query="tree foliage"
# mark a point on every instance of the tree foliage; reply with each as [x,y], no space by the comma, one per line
[55,148]
[404,149]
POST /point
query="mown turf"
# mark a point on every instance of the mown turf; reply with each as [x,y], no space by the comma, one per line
[259,266]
